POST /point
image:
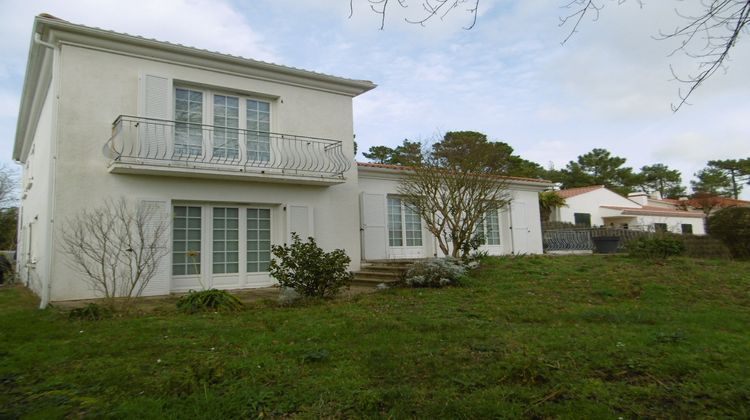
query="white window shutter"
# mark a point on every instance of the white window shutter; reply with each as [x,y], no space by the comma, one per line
[155,104]
[374,229]
[300,221]
[158,215]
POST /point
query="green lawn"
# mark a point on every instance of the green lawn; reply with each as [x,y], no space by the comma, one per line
[587,336]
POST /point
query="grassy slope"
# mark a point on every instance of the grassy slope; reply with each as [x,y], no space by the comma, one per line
[590,336]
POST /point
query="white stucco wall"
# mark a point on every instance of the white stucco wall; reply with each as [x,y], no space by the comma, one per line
[35,217]
[97,86]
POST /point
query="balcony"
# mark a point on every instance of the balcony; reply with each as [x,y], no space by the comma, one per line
[170,148]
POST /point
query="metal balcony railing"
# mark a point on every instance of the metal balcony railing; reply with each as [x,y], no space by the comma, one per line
[148,141]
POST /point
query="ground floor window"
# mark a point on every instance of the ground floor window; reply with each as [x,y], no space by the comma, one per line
[489,227]
[582,219]
[234,239]
[660,227]
[687,229]
[404,224]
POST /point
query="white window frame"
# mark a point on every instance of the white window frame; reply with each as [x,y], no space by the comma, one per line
[483,224]
[207,276]
[404,239]
[208,119]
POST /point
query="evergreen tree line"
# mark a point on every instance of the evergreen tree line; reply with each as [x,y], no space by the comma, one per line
[724,178]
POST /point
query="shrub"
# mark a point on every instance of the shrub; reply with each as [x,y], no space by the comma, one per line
[732,226]
[309,270]
[212,299]
[435,273]
[661,246]
[90,312]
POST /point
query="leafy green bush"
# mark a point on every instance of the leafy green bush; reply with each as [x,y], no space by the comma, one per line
[309,270]
[211,299]
[732,226]
[438,272]
[90,312]
[660,246]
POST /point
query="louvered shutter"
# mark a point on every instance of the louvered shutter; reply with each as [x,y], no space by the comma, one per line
[158,222]
[155,105]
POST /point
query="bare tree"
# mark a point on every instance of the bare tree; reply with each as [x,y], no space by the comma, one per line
[452,200]
[430,9]
[706,37]
[117,247]
[8,186]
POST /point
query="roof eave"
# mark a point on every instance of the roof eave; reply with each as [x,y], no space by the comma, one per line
[345,86]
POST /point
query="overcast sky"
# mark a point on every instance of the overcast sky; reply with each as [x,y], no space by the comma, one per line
[609,87]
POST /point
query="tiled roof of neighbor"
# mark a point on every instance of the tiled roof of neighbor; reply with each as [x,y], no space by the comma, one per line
[408,168]
[572,192]
[655,211]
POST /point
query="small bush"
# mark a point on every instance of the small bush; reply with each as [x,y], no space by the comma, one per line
[435,273]
[205,300]
[661,246]
[309,270]
[732,226]
[90,312]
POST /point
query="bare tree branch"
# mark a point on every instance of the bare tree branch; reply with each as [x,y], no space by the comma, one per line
[118,248]
[432,9]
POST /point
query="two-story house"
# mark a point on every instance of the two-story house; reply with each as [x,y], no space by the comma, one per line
[233,154]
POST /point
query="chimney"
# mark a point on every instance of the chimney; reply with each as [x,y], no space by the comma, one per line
[656,195]
[639,197]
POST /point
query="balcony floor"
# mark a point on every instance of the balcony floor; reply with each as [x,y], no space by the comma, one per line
[198,170]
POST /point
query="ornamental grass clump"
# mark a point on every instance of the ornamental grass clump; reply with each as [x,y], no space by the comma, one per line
[438,272]
[209,300]
[309,270]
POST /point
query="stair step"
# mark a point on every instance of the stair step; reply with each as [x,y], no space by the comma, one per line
[373,282]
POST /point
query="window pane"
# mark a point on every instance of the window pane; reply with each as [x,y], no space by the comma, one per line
[188,138]
[186,240]
[258,125]
[258,240]
[413,225]
[395,234]
[224,251]
[492,226]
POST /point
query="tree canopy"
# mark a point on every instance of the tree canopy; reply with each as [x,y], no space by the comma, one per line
[597,167]
[659,177]
[409,153]
[737,171]
[461,150]
[712,181]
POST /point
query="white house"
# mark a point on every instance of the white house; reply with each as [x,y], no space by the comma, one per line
[598,206]
[234,154]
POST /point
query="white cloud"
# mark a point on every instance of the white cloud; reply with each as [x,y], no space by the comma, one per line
[214,25]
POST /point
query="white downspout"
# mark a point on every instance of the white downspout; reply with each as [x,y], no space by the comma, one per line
[47,284]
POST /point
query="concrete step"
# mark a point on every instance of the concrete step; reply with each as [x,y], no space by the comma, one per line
[373,282]
[377,275]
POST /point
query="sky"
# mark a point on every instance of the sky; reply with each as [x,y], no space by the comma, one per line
[610,86]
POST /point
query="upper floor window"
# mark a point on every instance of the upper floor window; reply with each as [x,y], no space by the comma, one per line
[231,136]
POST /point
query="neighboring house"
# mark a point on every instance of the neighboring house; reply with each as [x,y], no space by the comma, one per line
[233,154]
[598,206]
